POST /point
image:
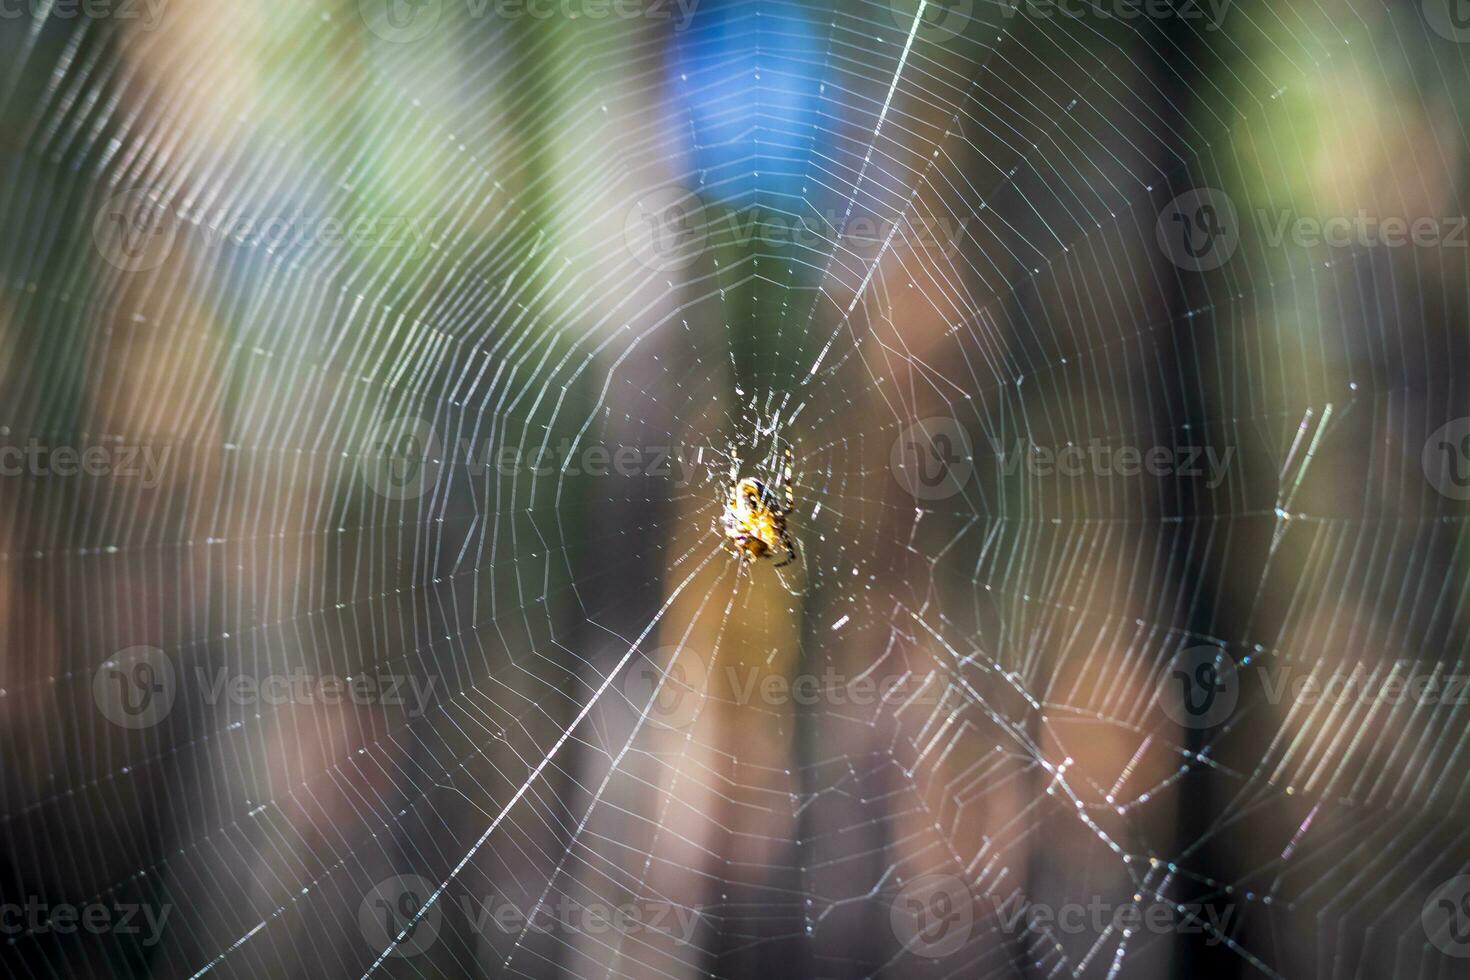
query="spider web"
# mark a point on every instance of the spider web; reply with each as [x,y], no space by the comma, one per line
[480,446]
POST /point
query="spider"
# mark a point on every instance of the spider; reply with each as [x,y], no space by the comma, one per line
[754,521]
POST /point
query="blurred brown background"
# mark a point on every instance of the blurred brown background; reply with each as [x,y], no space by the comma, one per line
[353,307]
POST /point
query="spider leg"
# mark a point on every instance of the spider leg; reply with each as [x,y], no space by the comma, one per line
[790,550]
[786,482]
[734,464]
